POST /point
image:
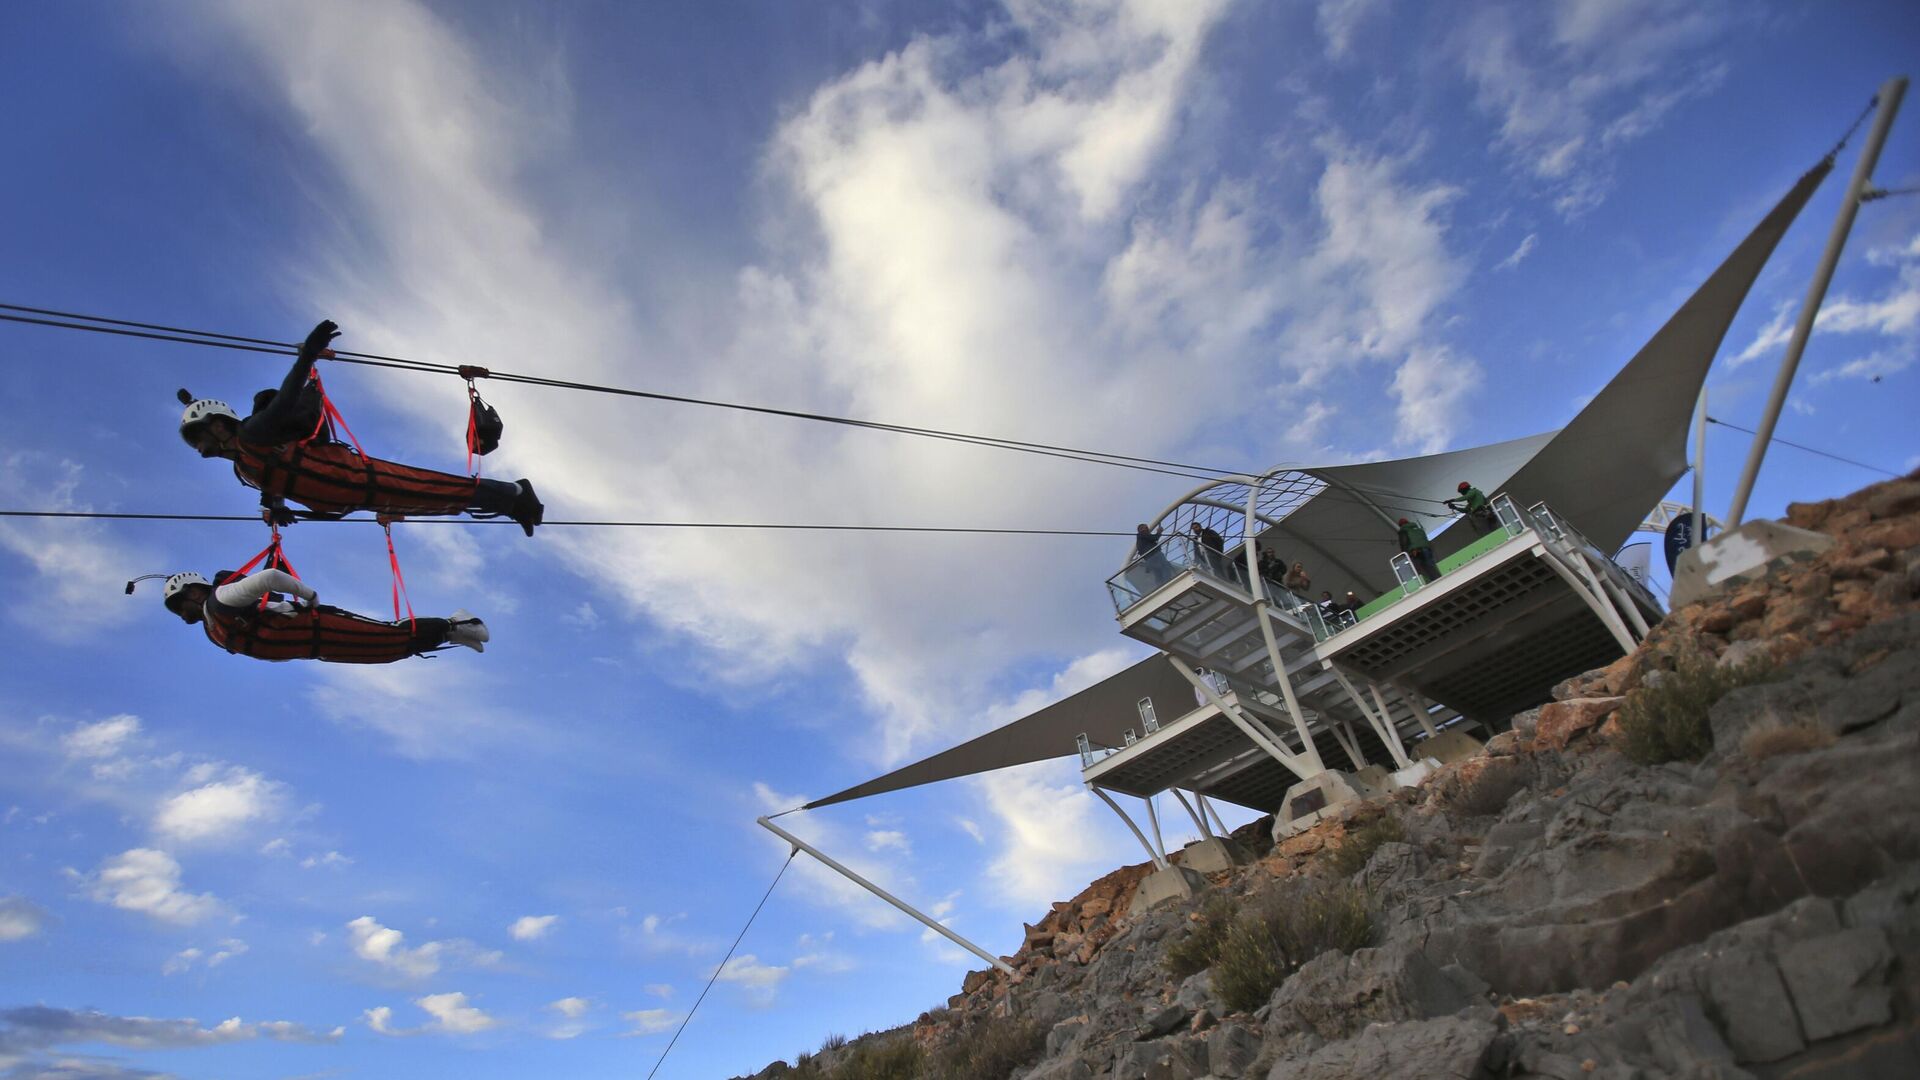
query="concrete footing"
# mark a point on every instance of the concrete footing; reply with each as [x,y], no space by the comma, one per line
[1447,747]
[1413,775]
[1163,887]
[1314,798]
[1210,856]
[1740,555]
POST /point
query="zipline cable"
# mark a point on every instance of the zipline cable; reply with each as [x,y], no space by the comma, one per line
[1809,449]
[159,332]
[723,964]
[770,525]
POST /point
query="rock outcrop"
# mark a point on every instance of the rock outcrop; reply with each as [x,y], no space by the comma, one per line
[1549,908]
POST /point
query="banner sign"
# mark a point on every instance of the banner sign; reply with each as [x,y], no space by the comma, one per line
[1679,538]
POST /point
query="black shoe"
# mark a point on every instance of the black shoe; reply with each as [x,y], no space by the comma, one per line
[527,508]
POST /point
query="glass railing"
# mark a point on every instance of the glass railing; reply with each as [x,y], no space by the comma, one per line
[1174,556]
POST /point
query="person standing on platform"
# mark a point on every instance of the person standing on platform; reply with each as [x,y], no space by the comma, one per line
[1414,541]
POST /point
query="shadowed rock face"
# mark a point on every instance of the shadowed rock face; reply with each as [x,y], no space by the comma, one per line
[1552,909]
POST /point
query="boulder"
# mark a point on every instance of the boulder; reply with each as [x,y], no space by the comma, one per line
[1560,721]
[1335,995]
[1838,981]
[1456,1046]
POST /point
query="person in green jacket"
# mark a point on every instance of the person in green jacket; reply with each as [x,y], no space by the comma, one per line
[1473,504]
[1413,541]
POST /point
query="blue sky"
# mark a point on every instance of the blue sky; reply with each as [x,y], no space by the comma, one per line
[1234,233]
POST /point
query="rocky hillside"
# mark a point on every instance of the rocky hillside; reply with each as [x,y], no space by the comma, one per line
[1702,861]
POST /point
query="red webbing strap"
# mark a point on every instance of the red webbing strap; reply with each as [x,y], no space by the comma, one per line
[473,435]
[399,582]
[331,415]
[271,557]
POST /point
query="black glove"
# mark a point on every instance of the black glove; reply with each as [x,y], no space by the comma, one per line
[321,337]
[278,515]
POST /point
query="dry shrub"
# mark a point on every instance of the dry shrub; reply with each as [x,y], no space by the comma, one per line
[1772,737]
[1668,721]
[1200,946]
[1284,929]
[990,1048]
[895,1058]
[1359,845]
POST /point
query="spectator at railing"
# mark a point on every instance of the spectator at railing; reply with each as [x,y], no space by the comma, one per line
[1329,607]
[1213,550]
[1351,605]
[1272,567]
[1150,561]
[1297,581]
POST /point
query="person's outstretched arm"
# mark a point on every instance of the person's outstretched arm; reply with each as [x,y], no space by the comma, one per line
[263,426]
[250,589]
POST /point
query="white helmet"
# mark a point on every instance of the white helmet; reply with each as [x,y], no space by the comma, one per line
[177,584]
[200,411]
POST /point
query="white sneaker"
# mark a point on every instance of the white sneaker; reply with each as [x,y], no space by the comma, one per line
[464,629]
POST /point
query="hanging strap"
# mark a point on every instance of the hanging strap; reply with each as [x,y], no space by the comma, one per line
[473,434]
[471,372]
[330,416]
[271,557]
[399,581]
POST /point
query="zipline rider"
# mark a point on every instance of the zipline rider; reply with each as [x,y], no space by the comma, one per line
[240,615]
[284,449]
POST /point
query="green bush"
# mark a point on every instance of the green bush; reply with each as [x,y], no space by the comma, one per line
[896,1058]
[990,1048]
[1283,930]
[1200,946]
[1360,844]
[1668,721]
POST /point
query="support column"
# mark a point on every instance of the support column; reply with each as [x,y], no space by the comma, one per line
[1207,808]
[1598,604]
[1259,736]
[1421,708]
[1159,861]
[883,894]
[1344,736]
[1153,816]
[1198,819]
[1382,725]
[1620,599]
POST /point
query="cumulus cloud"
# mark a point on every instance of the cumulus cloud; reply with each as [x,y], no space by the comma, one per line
[20,918]
[386,948]
[758,981]
[213,956]
[571,1011]
[649,1021]
[220,808]
[102,738]
[889,840]
[453,1016]
[532,927]
[148,881]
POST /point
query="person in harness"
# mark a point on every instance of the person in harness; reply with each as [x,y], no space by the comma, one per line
[283,450]
[243,616]
[1472,503]
[1414,541]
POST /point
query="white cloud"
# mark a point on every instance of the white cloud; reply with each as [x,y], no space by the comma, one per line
[817,954]
[1871,367]
[148,881]
[1570,83]
[386,948]
[889,840]
[971,828]
[423,711]
[1430,392]
[662,990]
[760,982]
[277,847]
[186,959]
[650,1021]
[101,739]
[332,860]
[1052,837]
[380,1019]
[37,1027]
[20,918]
[76,563]
[1339,20]
[220,808]
[572,1011]
[452,1015]
[1895,314]
[1520,253]
[532,927]
[583,618]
